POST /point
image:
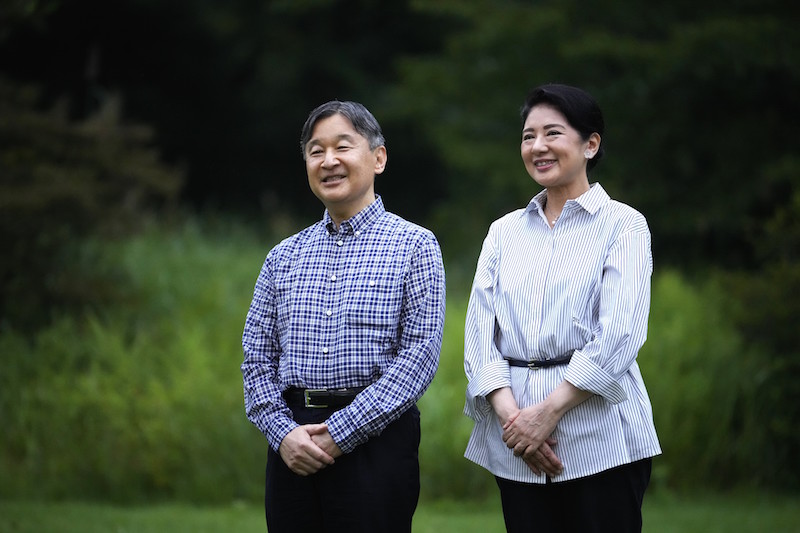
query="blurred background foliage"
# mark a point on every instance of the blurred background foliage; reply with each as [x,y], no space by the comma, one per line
[149,157]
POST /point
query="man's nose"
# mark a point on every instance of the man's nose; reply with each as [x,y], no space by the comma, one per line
[330,159]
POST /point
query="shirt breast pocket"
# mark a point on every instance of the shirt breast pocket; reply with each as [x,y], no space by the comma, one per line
[373,308]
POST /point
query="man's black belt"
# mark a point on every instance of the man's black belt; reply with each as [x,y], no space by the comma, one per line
[545,363]
[321,398]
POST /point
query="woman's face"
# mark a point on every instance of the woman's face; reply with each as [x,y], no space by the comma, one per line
[553,152]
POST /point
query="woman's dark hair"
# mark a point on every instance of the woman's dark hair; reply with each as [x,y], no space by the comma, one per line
[578,107]
[359,116]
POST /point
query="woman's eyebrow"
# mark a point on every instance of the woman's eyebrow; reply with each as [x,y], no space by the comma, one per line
[545,127]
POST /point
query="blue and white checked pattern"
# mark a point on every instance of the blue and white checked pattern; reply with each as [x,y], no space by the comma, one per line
[538,293]
[361,306]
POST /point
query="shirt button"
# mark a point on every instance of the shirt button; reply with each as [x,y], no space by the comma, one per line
[340,242]
[358,233]
[329,312]
[371,283]
[333,277]
[324,350]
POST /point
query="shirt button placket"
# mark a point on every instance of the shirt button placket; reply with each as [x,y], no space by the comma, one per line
[330,296]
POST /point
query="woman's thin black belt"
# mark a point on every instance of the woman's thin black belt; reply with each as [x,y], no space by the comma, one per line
[545,363]
[321,398]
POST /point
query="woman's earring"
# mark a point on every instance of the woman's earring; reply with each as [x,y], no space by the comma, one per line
[588,154]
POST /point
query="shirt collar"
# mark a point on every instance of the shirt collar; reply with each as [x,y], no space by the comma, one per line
[358,222]
[591,201]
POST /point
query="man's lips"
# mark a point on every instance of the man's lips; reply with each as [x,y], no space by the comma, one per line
[333,179]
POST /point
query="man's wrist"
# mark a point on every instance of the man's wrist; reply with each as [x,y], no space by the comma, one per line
[278,431]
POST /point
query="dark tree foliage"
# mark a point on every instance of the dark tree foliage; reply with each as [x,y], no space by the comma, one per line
[228,84]
[765,309]
[60,181]
[689,91]
[699,101]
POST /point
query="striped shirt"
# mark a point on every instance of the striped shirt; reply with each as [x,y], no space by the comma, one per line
[361,305]
[582,287]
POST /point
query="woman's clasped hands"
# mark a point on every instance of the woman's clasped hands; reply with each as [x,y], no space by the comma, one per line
[528,433]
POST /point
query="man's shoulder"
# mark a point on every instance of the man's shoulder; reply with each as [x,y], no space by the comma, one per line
[290,244]
[395,225]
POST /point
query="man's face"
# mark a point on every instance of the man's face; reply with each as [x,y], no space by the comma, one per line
[341,168]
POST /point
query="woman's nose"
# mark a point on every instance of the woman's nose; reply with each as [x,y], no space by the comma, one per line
[538,145]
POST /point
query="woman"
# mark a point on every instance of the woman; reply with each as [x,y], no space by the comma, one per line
[556,317]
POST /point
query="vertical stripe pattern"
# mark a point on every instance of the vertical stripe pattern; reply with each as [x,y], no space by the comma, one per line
[581,287]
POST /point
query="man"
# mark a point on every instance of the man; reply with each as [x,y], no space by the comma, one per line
[342,338]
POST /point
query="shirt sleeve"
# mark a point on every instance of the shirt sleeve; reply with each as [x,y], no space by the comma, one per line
[624,307]
[411,371]
[264,403]
[484,366]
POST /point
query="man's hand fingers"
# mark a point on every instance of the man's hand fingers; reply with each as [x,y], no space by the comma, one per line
[301,454]
[315,429]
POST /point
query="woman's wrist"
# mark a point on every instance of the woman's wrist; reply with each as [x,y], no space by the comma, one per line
[503,402]
[565,397]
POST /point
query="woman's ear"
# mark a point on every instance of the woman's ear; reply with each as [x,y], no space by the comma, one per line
[592,145]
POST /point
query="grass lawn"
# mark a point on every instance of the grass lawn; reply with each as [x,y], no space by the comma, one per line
[662,514]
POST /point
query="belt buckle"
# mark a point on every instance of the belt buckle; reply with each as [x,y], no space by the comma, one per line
[308,402]
[532,365]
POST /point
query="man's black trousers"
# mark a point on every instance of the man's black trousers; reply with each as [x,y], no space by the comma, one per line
[373,488]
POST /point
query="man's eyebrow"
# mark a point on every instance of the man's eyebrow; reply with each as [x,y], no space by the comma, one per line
[342,137]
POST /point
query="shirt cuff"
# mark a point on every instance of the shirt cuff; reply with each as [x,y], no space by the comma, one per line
[344,431]
[586,375]
[277,430]
[489,378]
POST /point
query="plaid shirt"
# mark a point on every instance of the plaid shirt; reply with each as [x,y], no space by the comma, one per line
[359,306]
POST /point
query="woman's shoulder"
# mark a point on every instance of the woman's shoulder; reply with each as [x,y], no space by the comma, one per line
[627,217]
[622,209]
[513,218]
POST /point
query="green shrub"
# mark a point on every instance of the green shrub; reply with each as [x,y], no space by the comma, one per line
[696,370]
[445,473]
[765,313]
[143,400]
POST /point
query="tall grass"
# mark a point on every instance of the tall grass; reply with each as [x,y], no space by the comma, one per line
[143,400]
[445,430]
[700,379]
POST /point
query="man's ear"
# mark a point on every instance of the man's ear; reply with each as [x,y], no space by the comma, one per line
[380,159]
